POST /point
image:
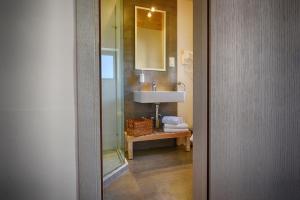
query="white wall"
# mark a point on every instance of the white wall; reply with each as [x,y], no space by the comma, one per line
[108,21]
[109,98]
[109,114]
[185,42]
[37,104]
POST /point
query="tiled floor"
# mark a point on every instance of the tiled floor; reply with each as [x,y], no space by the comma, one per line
[160,174]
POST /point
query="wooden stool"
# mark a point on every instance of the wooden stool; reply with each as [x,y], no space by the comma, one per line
[157,135]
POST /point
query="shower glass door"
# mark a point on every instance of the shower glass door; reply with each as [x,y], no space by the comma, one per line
[112,85]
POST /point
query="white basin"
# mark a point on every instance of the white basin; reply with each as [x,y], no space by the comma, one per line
[158,96]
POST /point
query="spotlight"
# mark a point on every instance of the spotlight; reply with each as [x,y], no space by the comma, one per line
[149,14]
[153,9]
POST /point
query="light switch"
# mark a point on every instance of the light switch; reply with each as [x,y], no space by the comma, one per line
[172,62]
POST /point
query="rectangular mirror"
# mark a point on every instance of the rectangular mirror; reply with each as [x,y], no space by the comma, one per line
[150,39]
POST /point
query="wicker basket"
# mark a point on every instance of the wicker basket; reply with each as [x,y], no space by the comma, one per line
[139,127]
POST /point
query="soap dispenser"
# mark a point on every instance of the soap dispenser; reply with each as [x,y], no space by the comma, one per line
[142,77]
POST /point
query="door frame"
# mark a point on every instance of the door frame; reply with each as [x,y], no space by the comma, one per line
[88,90]
[201,100]
[88,100]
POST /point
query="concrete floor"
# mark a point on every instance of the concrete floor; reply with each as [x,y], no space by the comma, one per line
[158,174]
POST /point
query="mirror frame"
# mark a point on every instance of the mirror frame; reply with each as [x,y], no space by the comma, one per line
[164,67]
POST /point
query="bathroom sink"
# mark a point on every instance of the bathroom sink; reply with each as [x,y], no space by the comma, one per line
[158,96]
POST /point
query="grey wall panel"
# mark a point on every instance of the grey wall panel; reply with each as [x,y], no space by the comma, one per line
[37,100]
[255,100]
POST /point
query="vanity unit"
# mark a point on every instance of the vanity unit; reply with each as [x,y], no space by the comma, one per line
[158,97]
[155,58]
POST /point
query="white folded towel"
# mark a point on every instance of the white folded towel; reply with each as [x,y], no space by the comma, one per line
[172,120]
[179,126]
[170,130]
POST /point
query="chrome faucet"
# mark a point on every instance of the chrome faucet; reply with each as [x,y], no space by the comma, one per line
[154,85]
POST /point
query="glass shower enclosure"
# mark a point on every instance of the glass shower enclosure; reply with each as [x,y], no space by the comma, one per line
[112,85]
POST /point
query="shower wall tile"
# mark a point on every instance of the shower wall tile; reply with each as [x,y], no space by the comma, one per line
[166,80]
